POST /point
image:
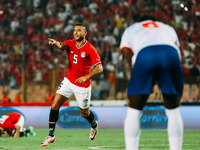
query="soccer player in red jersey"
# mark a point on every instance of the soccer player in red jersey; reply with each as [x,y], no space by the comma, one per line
[82,55]
[13,124]
[10,122]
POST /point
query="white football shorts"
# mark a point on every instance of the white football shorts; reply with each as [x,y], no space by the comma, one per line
[83,95]
[21,122]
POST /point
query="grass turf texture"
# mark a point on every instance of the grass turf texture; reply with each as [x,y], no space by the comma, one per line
[77,139]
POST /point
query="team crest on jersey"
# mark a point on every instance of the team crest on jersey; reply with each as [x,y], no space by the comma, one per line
[82,54]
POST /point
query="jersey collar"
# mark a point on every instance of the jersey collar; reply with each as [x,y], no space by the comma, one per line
[82,45]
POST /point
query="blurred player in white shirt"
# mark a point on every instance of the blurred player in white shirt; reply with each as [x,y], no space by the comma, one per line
[151,55]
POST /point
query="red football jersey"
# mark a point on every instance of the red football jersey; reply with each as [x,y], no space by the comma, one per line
[81,60]
[8,121]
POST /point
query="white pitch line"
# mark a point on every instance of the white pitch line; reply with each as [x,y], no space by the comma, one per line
[100,147]
[142,146]
[164,145]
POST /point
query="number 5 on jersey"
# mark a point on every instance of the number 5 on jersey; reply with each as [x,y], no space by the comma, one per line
[75,59]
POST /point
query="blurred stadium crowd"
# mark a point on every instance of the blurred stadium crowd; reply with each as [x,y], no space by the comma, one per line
[106,21]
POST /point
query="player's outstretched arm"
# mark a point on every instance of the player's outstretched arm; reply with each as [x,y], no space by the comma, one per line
[58,44]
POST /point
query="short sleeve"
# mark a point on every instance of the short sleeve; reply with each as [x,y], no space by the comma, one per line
[94,56]
[176,39]
[67,44]
[174,36]
[124,41]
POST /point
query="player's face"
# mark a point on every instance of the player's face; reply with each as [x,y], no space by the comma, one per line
[79,33]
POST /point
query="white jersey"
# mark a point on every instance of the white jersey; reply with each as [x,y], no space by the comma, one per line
[148,33]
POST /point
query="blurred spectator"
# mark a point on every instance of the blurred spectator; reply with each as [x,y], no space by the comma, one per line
[121,83]
[5,98]
[51,7]
[194,70]
[96,90]
[38,77]
[14,24]
[110,38]
[13,82]
[3,75]
[93,8]
[49,96]
[17,97]
[62,14]
[115,56]
[104,86]
[69,27]
[112,85]
[110,67]
[119,20]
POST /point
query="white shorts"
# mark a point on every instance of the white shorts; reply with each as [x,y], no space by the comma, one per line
[83,95]
[21,123]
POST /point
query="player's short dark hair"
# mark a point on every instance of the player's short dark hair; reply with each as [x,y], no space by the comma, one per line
[81,24]
[147,17]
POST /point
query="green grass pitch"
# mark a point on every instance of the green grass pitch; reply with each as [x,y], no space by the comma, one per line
[78,139]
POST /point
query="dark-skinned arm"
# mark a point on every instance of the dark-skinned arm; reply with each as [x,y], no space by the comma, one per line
[127,62]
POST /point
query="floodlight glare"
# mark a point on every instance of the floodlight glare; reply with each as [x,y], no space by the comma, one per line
[186,9]
[182,5]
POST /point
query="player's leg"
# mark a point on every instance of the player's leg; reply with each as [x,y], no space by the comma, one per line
[62,94]
[175,122]
[89,116]
[58,101]
[171,84]
[132,121]
[53,118]
[83,96]
[139,88]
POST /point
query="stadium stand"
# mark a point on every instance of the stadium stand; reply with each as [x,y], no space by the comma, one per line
[106,21]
